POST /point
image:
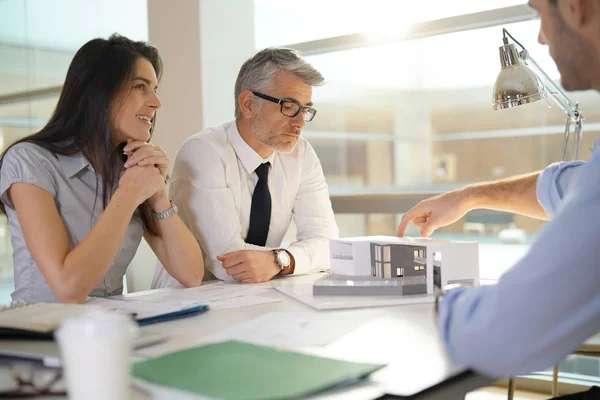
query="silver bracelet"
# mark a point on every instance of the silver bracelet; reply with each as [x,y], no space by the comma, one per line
[167,213]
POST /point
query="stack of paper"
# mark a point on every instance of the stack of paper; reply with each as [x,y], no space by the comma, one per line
[217,296]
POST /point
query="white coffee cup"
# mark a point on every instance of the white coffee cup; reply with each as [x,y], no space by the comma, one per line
[95,349]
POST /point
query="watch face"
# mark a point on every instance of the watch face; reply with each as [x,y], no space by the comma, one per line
[283,258]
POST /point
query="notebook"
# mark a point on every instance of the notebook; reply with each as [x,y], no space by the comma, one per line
[37,321]
[40,320]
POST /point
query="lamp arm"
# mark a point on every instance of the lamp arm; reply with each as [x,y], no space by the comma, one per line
[574,117]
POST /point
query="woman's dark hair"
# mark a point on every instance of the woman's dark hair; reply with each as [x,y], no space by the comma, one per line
[81,123]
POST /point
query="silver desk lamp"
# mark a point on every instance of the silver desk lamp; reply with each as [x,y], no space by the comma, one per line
[518,84]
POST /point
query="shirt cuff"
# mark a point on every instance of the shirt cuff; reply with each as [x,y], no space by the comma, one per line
[301,260]
[445,315]
[552,183]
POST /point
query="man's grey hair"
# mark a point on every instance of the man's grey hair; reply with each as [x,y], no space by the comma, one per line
[259,71]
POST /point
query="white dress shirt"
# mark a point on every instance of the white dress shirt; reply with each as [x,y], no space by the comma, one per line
[213,182]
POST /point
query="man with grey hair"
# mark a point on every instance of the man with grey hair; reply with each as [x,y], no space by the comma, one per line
[240,185]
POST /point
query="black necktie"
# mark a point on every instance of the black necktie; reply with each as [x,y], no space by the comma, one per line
[260,211]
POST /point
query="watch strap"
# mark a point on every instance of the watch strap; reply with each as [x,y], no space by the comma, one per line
[167,213]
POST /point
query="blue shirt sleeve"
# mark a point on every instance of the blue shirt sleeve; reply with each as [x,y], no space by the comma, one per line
[554,182]
[546,305]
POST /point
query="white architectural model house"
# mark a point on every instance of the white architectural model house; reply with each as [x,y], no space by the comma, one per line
[421,264]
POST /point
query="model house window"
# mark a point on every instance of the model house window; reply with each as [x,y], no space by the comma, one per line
[386,254]
[387,270]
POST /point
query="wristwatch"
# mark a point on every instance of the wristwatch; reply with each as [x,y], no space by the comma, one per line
[167,213]
[282,258]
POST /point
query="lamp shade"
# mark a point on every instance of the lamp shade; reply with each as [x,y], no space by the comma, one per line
[516,84]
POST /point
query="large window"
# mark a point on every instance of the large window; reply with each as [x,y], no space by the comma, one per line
[410,111]
[38,39]
[278,23]
[418,113]
[413,113]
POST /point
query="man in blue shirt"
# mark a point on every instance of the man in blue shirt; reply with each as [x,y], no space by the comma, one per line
[549,302]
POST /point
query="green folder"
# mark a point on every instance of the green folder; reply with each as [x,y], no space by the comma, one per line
[238,370]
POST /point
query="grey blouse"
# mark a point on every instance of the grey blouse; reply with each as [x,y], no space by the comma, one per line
[71,181]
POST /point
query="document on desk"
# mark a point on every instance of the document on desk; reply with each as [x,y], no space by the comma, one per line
[278,281]
[238,370]
[147,308]
[293,329]
[303,292]
[410,345]
[244,301]
[205,293]
[141,310]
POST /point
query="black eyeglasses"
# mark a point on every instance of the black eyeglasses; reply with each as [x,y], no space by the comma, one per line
[40,383]
[289,108]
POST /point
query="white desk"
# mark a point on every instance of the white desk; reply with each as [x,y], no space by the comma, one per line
[404,337]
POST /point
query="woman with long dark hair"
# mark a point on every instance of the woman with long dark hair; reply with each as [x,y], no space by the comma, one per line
[81,193]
